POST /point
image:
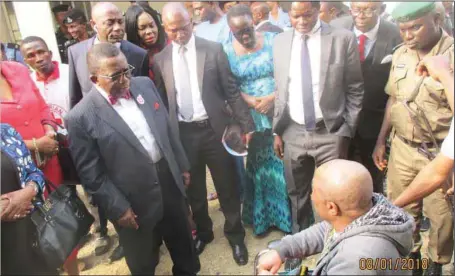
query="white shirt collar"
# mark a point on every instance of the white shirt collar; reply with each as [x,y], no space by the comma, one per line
[371,34]
[189,46]
[102,92]
[316,29]
[261,23]
[97,41]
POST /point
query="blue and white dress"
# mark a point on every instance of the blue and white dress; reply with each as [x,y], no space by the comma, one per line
[266,202]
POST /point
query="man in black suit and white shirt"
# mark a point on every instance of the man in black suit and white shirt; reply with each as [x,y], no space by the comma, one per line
[194,76]
[131,161]
[261,20]
[108,23]
[376,39]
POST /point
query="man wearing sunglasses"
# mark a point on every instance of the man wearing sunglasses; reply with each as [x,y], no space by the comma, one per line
[376,39]
[132,162]
[108,23]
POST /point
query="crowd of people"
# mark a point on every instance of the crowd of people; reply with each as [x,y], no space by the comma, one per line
[344,114]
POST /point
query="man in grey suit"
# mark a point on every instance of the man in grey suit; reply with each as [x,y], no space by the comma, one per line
[195,79]
[131,161]
[260,11]
[108,23]
[376,39]
[319,96]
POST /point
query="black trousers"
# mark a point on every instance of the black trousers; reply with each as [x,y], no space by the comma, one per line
[361,150]
[204,149]
[142,246]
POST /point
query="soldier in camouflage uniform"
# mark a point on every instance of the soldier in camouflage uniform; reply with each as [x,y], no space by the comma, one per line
[412,144]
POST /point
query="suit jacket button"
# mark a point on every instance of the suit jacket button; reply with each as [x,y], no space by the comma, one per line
[156,182]
[26,123]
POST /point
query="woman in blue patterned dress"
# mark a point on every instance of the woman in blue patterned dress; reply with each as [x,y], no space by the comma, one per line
[266,202]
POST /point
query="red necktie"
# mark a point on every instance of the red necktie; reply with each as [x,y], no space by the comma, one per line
[362,39]
[114,99]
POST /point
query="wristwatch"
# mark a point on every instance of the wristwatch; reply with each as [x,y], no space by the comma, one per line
[35,186]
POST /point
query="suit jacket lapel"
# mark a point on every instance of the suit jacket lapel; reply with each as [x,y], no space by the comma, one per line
[380,46]
[168,78]
[286,60]
[200,62]
[147,110]
[326,50]
[107,113]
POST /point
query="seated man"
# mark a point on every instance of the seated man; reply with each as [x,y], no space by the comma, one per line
[359,230]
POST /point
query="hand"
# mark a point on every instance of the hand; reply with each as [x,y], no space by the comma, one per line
[278,147]
[379,156]
[435,67]
[269,263]
[186,179]
[47,145]
[19,205]
[265,104]
[250,100]
[128,220]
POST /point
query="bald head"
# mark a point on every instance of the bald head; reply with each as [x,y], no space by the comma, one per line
[100,9]
[174,9]
[260,12]
[346,183]
[107,21]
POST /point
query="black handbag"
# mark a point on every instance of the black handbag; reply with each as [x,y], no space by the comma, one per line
[64,156]
[61,222]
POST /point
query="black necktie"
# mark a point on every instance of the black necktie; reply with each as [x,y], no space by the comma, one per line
[307,86]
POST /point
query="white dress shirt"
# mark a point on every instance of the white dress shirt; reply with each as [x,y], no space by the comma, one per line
[371,37]
[134,118]
[199,112]
[295,74]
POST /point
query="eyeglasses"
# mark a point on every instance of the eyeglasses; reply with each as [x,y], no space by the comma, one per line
[117,76]
[366,12]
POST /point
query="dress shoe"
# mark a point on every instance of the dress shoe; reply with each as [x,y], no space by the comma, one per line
[199,244]
[240,253]
[434,269]
[416,256]
[117,254]
[102,245]
[273,244]
[292,264]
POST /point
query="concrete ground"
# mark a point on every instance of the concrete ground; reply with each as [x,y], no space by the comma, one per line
[215,260]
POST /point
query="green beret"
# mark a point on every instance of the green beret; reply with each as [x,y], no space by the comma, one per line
[407,11]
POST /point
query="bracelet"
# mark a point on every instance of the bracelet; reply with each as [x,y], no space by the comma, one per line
[34,144]
[35,186]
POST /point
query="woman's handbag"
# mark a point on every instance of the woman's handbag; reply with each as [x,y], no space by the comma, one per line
[61,222]
[64,156]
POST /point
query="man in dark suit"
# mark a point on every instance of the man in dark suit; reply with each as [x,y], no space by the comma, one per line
[376,39]
[131,161]
[194,76]
[108,23]
[319,96]
[261,20]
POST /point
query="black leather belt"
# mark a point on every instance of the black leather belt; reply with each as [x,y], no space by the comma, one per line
[417,145]
[202,124]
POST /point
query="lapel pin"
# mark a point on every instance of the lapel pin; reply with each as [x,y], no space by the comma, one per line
[140,100]
[157,105]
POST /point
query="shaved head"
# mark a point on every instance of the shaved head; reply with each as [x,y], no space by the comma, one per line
[100,9]
[174,9]
[260,7]
[348,184]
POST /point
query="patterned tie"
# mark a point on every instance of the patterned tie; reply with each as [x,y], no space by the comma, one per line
[362,39]
[184,89]
[307,86]
[114,99]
